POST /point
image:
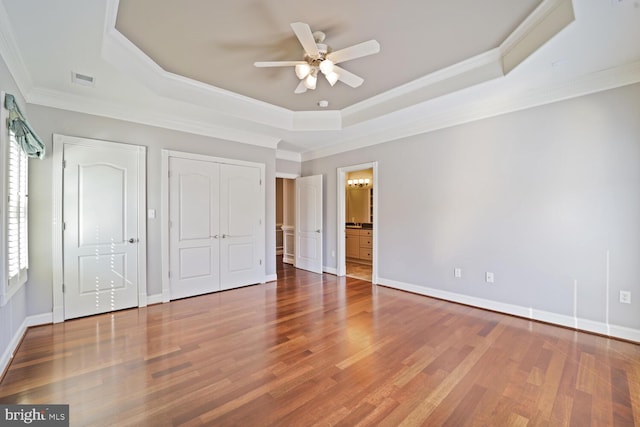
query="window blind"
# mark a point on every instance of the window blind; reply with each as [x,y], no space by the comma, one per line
[17,237]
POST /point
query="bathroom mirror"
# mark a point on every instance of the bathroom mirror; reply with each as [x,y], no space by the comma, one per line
[357,205]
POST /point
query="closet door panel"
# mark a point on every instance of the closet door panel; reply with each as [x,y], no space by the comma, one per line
[240,224]
[194,227]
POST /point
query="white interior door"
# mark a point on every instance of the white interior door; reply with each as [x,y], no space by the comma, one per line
[101,236]
[215,232]
[240,224]
[194,227]
[309,223]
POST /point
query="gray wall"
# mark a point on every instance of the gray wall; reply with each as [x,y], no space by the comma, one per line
[288,167]
[48,121]
[540,197]
[13,314]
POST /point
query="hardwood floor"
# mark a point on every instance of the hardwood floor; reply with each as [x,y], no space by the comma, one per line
[321,350]
[359,270]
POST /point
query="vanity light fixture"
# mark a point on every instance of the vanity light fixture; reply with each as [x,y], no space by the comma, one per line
[361,182]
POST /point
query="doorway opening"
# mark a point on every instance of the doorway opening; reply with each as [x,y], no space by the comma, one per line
[357,221]
[285,220]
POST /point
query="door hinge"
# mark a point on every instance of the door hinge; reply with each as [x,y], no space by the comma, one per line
[170,224]
[169,174]
[64,164]
[261,181]
[169,275]
[64,226]
[260,221]
[260,262]
[63,288]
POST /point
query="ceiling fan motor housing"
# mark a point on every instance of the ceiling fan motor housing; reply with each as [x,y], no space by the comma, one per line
[323,50]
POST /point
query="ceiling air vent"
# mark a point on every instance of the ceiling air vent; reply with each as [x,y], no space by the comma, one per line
[82,79]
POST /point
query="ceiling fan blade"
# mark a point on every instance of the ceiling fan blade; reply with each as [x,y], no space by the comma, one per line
[356,51]
[304,34]
[278,63]
[348,77]
[301,88]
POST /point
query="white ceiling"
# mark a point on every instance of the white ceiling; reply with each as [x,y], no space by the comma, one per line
[189,65]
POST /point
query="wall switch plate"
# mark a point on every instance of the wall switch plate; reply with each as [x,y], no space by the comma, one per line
[489,277]
[625,297]
[457,272]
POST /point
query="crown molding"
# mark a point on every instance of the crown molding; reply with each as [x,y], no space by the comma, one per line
[288,155]
[547,20]
[465,112]
[478,69]
[317,120]
[11,54]
[129,59]
[156,118]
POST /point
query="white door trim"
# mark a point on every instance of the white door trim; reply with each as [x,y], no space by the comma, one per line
[164,210]
[340,222]
[287,175]
[59,142]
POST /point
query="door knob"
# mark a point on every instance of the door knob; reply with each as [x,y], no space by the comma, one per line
[133,240]
[317,231]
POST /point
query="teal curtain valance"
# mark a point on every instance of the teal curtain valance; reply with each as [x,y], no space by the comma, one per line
[27,139]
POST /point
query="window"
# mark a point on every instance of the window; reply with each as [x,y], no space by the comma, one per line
[17,204]
[18,143]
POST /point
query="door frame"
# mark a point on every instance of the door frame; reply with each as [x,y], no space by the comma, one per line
[341,262]
[57,251]
[164,209]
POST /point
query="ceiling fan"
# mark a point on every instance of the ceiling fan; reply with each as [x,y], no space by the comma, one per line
[318,58]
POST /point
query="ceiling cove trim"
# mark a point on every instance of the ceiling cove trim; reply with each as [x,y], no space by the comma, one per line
[462,113]
[544,22]
[128,58]
[478,69]
[288,155]
[547,20]
[166,120]
[11,54]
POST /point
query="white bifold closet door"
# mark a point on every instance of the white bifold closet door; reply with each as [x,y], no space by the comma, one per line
[215,221]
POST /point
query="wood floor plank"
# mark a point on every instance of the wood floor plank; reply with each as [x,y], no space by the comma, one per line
[315,349]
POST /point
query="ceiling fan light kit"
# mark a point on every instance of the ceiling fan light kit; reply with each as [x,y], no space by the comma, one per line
[319,57]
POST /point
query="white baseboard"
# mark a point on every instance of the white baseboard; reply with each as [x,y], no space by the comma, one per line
[39,319]
[601,328]
[154,299]
[270,278]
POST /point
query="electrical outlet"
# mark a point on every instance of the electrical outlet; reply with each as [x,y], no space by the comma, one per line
[457,272]
[625,297]
[489,277]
